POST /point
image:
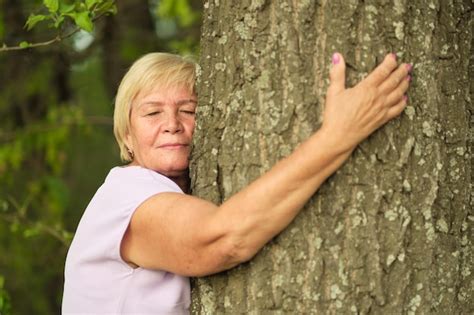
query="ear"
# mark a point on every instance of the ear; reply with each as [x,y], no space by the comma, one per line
[128,141]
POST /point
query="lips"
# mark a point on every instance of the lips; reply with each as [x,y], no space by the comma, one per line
[172,146]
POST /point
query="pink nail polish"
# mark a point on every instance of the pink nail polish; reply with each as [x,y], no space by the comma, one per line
[409,67]
[335,59]
[394,56]
[405,98]
[409,78]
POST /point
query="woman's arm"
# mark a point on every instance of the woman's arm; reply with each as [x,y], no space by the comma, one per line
[190,236]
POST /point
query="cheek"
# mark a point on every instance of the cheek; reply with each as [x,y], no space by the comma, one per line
[144,136]
[191,125]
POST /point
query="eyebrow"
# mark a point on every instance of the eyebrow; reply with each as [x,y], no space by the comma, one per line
[179,103]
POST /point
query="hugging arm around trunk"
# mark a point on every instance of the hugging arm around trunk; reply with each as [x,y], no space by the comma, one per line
[189,236]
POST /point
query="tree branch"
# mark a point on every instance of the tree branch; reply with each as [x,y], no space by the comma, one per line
[40,226]
[20,217]
[58,37]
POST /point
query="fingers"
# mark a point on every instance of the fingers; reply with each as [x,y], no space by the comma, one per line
[398,92]
[397,109]
[337,75]
[395,78]
[383,71]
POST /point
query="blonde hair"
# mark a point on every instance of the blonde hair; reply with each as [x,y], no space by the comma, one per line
[154,70]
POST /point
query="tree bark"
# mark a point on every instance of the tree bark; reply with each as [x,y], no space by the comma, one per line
[392,231]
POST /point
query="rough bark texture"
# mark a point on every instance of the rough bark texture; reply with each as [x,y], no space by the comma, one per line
[392,231]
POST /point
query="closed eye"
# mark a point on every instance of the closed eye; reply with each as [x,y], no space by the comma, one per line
[189,112]
[152,113]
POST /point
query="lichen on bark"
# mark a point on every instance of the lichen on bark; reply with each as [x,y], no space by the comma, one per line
[392,230]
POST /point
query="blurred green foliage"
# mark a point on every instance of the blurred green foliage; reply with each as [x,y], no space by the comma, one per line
[5,307]
[178,10]
[56,138]
[174,15]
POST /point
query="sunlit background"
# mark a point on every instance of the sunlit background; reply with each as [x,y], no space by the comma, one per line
[56,138]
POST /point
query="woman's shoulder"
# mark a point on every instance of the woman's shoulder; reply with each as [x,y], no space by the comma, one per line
[123,189]
[135,177]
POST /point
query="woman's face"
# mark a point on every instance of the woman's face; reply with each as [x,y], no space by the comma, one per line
[161,130]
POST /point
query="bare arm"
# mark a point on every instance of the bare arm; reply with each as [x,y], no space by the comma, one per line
[189,236]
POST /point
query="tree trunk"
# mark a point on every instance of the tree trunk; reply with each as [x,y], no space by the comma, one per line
[392,231]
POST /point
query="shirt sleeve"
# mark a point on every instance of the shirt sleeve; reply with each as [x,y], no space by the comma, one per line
[103,225]
[138,189]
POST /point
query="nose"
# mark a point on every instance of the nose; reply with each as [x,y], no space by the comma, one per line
[173,124]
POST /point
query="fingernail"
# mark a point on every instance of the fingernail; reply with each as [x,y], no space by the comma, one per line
[409,67]
[335,59]
[409,78]
[394,56]
[405,97]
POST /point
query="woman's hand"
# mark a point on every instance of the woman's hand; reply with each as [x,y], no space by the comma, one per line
[352,114]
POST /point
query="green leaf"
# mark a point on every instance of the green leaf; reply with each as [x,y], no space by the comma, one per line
[66,8]
[91,3]
[52,5]
[33,20]
[83,20]
[59,21]
[107,6]
[24,44]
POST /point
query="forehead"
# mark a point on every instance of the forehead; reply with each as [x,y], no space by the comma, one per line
[165,94]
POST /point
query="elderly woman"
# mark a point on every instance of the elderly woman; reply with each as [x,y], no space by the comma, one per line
[141,235]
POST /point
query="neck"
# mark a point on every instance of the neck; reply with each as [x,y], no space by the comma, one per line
[182,181]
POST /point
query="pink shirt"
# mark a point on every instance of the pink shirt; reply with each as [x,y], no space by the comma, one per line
[97,280]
